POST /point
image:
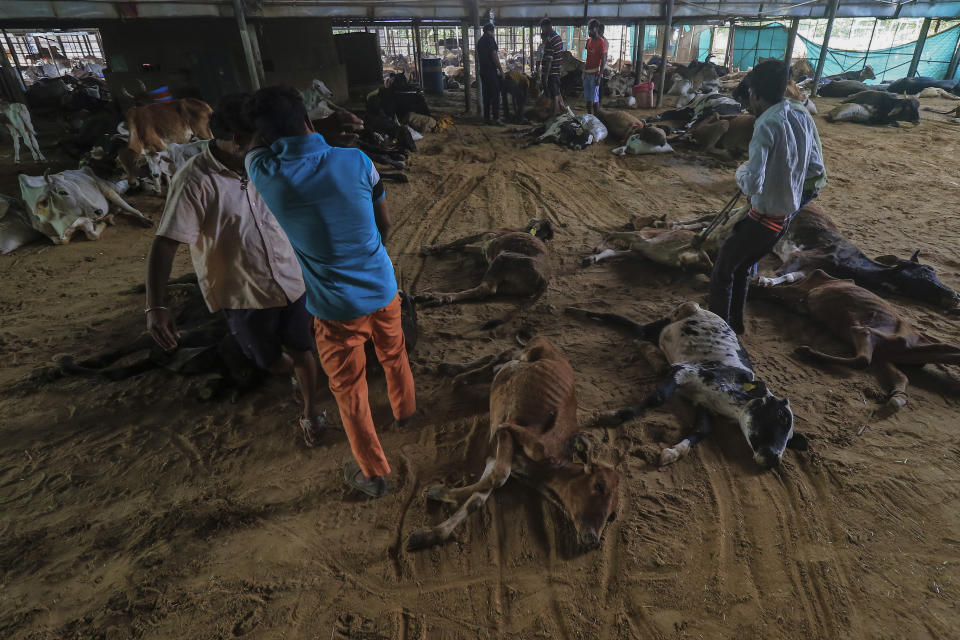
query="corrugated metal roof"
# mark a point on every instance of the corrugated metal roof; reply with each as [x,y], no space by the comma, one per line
[456,10]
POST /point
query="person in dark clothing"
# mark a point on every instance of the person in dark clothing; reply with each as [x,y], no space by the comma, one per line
[490,73]
[784,172]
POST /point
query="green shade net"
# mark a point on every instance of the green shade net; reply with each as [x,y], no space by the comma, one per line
[770,41]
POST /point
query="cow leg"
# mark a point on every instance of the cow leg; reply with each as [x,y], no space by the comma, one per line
[937,352]
[709,135]
[606,254]
[863,342]
[92,230]
[611,318]
[16,143]
[894,383]
[456,245]
[785,278]
[701,429]
[655,398]
[496,474]
[484,290]
[114,198]
[31,141]
[481,369]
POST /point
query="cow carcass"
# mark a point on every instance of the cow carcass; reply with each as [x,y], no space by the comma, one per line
[534,437]
[74,200]
[16,117]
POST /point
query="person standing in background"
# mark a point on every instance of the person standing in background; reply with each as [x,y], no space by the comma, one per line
[551,64]
[595,65]
[491,75]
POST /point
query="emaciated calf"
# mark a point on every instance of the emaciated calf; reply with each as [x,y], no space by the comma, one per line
[868,323]
[534,437]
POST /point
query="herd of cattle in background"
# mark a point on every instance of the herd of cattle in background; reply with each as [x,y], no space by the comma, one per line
[532,403]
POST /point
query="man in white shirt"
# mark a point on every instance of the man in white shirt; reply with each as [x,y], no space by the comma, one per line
[244,262]
[784,172]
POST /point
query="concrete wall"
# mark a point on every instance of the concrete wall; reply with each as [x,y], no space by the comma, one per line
[203,57]
[297,50]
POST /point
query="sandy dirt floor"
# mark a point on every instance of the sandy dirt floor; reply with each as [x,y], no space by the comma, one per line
[132,510]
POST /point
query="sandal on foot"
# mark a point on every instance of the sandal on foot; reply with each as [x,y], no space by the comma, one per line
[374,487]
[313,429]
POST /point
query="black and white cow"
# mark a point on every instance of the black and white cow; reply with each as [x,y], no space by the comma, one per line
[708,365]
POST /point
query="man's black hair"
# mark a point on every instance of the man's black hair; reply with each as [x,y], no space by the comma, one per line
[593,22]
[768,81]
[488,28]
[277,112]
[545,23]
[230,118]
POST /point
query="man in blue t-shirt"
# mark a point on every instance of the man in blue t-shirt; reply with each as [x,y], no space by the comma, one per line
[331,204]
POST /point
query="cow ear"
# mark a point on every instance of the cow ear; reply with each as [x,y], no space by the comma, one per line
[915,257]
[755,388]
[582,448]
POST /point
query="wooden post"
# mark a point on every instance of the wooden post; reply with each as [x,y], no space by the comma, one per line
[713,36]
[533,63]
[918,50]
[728,56]
[523,49]
[247,45]
[791,41]
[418,52]
[831,16]
[954,62]
[667,30]
[465,58]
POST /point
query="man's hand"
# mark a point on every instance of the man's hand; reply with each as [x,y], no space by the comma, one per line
[340,129]
[163,328]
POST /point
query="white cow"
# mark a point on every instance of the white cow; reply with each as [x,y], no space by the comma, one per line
[163,164]
[17,118]
[71,201]
[317,99]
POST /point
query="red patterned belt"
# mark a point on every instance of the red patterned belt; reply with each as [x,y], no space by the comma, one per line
[774,223]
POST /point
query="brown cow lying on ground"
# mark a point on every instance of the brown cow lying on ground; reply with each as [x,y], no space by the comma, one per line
[518,263]
[533,436]
[878,335]
[719,134]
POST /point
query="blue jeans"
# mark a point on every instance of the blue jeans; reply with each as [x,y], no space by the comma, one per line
[591,87]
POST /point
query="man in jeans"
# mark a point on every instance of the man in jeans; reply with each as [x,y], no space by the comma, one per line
[596,63]
[244,263]
[785,171]
[491,75]
[331,204]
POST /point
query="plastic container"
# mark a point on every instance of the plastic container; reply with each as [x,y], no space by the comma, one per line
[432,74]
[643,92]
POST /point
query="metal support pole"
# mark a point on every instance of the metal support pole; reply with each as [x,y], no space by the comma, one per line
[728,56]
[831,16]
[465,57]
[248,55]
[533,63]
[641,28]
[667,30]
[791,41]
[713,35]
[918,50]
[16,59]
[476,39]
[866,54]
[954,63]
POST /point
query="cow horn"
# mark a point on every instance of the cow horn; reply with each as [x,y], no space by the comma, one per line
[143,87]
[915,257]
[126,93]
[46,176]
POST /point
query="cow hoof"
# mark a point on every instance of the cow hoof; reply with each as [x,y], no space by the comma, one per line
[586,261]
[439,494]
[608,419]
[420,540]
[897,401]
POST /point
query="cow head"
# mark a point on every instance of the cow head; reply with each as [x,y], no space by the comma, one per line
[767,424]
[867,73]
[59,200]
[907,110]
[542,228]
[588,493]
[910,277]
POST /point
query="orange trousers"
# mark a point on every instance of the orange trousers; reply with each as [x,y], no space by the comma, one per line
[340,347]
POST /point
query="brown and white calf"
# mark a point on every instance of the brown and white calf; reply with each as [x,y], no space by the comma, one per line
[534,438]
[706,363]
[877,333]
[518,263]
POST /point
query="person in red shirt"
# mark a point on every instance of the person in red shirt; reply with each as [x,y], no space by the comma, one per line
[596,62]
